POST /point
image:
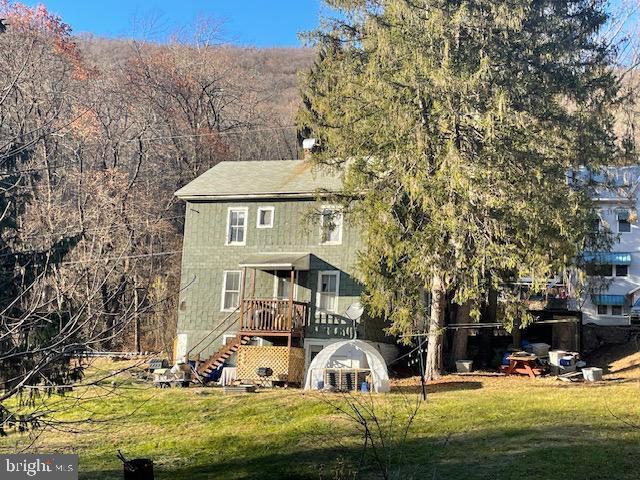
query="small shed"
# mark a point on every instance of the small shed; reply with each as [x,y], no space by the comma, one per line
[352,355]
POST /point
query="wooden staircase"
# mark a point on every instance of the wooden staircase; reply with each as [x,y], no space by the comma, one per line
[218,358]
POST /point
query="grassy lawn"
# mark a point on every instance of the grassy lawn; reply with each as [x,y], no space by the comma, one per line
[471,427]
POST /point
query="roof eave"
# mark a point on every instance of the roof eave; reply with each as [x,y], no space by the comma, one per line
[249,196]
[611,200]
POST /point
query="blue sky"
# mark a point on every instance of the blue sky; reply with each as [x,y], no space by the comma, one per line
[261,23]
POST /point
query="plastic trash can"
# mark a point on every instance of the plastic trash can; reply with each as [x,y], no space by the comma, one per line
[464,366]
[592,374]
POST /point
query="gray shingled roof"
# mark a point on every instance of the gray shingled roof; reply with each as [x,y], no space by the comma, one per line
[260,179]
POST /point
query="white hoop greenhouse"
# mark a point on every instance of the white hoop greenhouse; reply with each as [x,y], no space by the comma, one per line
[358,352]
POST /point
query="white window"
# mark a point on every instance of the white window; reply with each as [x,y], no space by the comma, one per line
[265,217]
[231,282]
[602,310]
[237,226]
[328,288]
[330,226]
[624,226]
[622,270]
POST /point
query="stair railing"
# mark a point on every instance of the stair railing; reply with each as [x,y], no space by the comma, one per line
[216,330]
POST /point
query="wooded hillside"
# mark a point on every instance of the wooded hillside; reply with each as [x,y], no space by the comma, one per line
[95,136]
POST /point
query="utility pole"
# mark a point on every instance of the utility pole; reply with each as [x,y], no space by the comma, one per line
[421,360]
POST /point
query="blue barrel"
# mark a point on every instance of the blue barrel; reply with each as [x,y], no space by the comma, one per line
[505,358]
[364,387]
[320,384]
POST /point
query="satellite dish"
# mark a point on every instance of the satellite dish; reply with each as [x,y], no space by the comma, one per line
[354,311]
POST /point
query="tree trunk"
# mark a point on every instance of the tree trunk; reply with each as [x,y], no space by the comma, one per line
[461,335]
[136,317]
[516,334]
[492,306]
[433,368]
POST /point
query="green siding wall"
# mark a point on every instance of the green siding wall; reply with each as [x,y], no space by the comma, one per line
[205,257]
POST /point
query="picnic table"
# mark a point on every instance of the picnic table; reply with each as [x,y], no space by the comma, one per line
[523,365]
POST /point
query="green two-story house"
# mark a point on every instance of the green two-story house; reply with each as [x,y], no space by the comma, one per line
[267,260]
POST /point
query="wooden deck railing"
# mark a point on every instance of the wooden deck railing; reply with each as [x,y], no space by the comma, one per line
[277,316]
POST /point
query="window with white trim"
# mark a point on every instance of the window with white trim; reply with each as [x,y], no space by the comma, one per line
[616,310]
[602,310]
[237,226]
[328,288]
[330,226]
[622,270]
[265,217]
[624,225]
[600,270]
[231,282]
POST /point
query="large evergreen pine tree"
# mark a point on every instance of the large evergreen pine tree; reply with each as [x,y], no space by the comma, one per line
[39,331]
[455,123]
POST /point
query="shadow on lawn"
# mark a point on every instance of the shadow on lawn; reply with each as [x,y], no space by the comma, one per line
[575,451]
[438,387]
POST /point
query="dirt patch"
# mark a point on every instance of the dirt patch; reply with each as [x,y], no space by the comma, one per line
[619,360]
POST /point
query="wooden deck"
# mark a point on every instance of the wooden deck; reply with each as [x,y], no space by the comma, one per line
[269,317]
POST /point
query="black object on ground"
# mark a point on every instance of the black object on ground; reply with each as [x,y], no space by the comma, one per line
[264,372]
[136,469]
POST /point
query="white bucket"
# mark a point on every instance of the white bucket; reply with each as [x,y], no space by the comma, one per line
[464,366]
[592,374]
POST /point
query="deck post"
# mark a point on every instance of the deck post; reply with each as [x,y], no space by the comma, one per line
[252,297]
[244,279]
[291,286]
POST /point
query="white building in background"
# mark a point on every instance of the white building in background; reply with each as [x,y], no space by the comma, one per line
[617,198]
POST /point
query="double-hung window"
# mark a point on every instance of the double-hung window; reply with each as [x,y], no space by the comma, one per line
[600,270]
[624,225]
[265,217]
[231,282]
[330,226]
[237,226]
[328,289]
[622,270]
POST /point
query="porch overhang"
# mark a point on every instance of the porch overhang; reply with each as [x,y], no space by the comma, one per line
[608,299]
[607,258]
[278,261]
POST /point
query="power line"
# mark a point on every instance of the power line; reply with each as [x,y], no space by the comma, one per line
[99,229]
[196,135]
[123,257]
[156,139]
[93,230]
